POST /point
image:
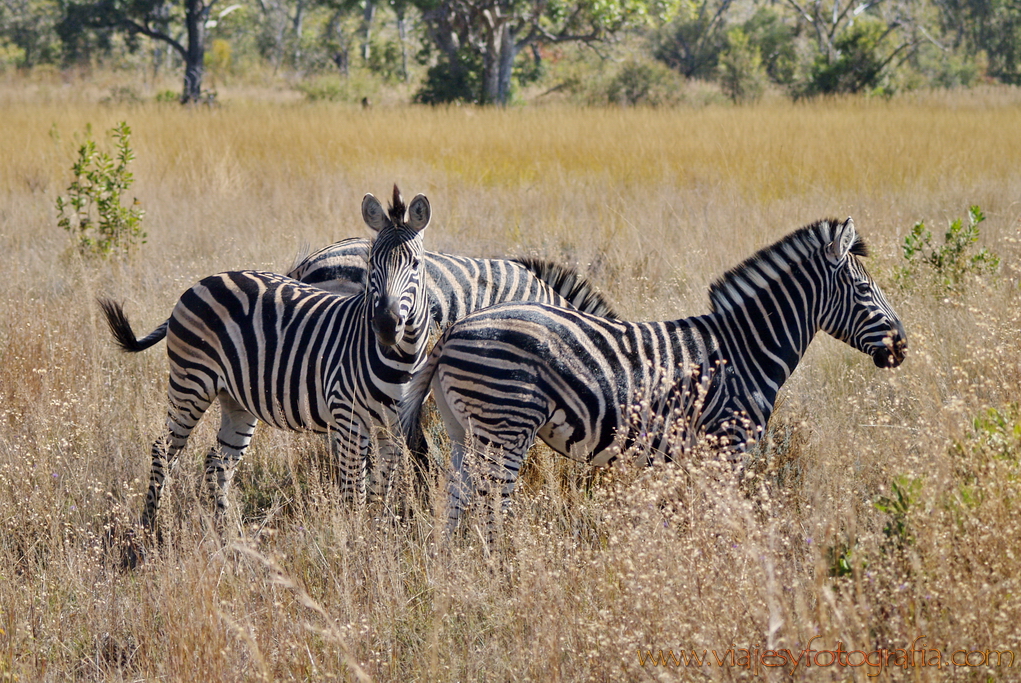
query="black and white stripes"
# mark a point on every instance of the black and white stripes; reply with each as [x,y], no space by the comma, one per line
[296,357]
[458,285]
[508,374]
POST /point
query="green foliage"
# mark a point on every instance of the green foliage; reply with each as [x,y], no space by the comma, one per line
[122,95]
[904,494]
[457,80]
[693,41]
[638,83]
[774,40]
[840,560]
[29,27]
[742,77]
[336,88]
[385,61]
[949,68]
[989,455]
[997,432]
[92,211]
[951,263]
[990,28]
[168,96]
[860,55]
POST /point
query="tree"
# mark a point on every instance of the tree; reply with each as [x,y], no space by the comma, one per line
[856,41]
[478,40]
[742,76]
[151,18]
[693,41]
[989,26]
[29,25]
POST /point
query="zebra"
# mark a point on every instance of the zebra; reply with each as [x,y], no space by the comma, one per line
[507,374]
[296,357]
[459,285]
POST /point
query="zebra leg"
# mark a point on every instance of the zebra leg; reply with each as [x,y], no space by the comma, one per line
[460,486]
[349,443]
[484,474]
[181,420]
[388,452]
[236,428]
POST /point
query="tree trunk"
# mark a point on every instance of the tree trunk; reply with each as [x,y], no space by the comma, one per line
[402,35]
[370,11]
[196,13]
[491,58]
[340,57]
[507,56]
[299,21]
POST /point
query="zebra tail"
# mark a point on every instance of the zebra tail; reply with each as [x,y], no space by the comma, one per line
[409,413]
[570,284]
[122,332]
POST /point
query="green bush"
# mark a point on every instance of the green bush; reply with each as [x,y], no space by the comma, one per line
[692,43]
[775,41]
[904,494]
[742,77]
[332,88]
[857,65]
[951,264]
[92,211]
[639,83]
[446,81]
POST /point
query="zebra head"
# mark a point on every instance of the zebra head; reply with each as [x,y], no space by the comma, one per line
[858,312]
[395,258]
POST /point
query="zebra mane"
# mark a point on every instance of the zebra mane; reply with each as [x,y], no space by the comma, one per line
[571,285]
[768,263]
[303,254]
[397,208]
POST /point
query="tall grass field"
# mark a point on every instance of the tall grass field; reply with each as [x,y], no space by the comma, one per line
[876,534]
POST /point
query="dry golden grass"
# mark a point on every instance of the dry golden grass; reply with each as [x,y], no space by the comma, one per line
[652,204]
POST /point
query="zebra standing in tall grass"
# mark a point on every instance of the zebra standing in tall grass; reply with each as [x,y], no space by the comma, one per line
[507,374]
[294,356]
[459,285]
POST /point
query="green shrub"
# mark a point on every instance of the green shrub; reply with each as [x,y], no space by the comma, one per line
[641,83]
[92,211]
[856,65]
[332,88]
[950,264]
[775,41]
[693,41]
[742,77]
[904,494]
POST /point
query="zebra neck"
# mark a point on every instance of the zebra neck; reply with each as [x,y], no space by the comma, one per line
[416,329]
[767,334]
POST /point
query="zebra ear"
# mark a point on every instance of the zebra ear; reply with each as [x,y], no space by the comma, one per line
[419,213]
[844,237]
[372,213]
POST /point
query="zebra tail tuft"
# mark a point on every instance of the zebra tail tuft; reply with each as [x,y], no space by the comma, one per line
[122,332]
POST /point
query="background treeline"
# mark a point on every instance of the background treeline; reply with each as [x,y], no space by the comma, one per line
[493,51]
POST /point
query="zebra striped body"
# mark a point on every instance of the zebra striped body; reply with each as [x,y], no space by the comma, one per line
[506,375]
[294,356]
[458,285]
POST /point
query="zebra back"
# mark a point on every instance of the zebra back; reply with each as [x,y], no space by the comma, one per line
[459,285]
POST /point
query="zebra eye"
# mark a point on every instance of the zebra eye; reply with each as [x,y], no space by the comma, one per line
[416,263]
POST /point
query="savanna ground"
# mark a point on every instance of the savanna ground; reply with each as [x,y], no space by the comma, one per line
[883,507]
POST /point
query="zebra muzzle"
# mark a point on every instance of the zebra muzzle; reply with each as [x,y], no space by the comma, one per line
[895,347]
[387,324]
